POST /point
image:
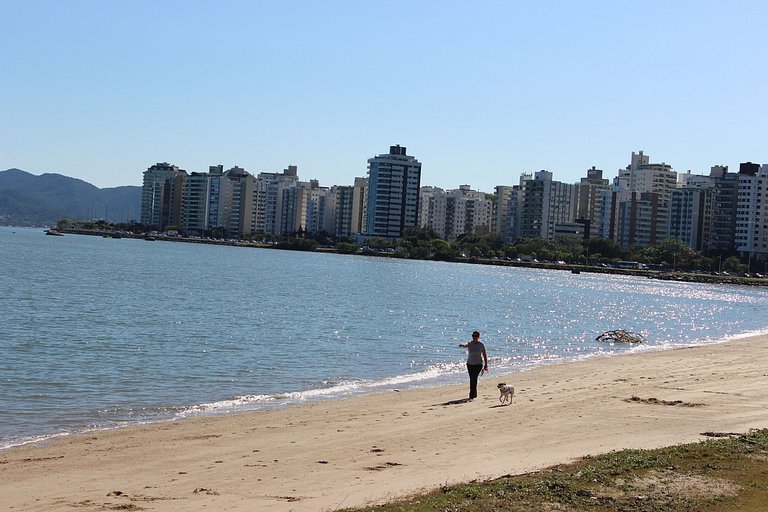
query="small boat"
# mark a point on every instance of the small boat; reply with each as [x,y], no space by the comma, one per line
[149,238]
[53,232]
[575,271]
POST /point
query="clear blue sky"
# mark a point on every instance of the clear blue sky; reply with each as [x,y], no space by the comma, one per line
[478,91]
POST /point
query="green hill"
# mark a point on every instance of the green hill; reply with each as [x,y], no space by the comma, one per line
[30,200]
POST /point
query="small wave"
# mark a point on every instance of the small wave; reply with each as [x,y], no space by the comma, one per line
[436,373]
[20,441]
[226,405]
[748,334]
[43,439]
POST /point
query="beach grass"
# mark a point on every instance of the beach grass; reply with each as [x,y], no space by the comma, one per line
[726,472]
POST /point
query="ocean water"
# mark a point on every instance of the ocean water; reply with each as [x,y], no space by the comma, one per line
[99,332]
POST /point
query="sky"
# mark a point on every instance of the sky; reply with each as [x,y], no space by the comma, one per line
[478,91]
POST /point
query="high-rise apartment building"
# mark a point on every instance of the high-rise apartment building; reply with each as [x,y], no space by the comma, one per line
[608,224]
[341,198]
[161,196]
[506,198]
[544,204]
[638,220]
[359,206]
[196,193]
[393,193]
[640,200]
[726,186]
[590,193]
[752,212]
[270,197]
[432,209]
[290,208]
[339,209]
[474,212]
[318,207]
[241,210]
[455,212]
[690,213]
[219,201]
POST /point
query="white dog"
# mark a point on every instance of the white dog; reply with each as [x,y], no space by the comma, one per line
[507,392]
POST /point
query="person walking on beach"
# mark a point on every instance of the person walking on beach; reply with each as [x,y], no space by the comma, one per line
[477,362]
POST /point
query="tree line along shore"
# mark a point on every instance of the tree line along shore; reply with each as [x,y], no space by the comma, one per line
[670,260]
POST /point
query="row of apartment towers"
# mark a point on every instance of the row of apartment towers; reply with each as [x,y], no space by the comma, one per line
[644,204]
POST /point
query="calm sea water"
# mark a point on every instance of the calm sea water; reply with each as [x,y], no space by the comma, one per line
[98,333]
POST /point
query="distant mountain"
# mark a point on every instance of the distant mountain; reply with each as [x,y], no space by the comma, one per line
[29,200]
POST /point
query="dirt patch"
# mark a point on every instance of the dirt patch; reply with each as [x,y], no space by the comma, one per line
[691,486]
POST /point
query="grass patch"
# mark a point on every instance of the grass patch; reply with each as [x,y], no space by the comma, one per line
[717,475]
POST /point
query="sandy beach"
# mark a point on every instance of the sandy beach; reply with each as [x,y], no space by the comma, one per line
[334,454]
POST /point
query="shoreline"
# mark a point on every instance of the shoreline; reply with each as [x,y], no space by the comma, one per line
[305,397]
[376,447]
[576,268]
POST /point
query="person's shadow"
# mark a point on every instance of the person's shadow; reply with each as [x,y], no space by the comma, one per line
[467,400]
[456,402]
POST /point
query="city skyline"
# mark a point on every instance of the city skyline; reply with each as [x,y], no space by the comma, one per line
[513,179]
[479,92]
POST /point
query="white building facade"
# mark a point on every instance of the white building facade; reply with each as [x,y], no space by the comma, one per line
[752,212]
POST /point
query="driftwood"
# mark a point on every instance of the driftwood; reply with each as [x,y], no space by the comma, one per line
[621,336]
